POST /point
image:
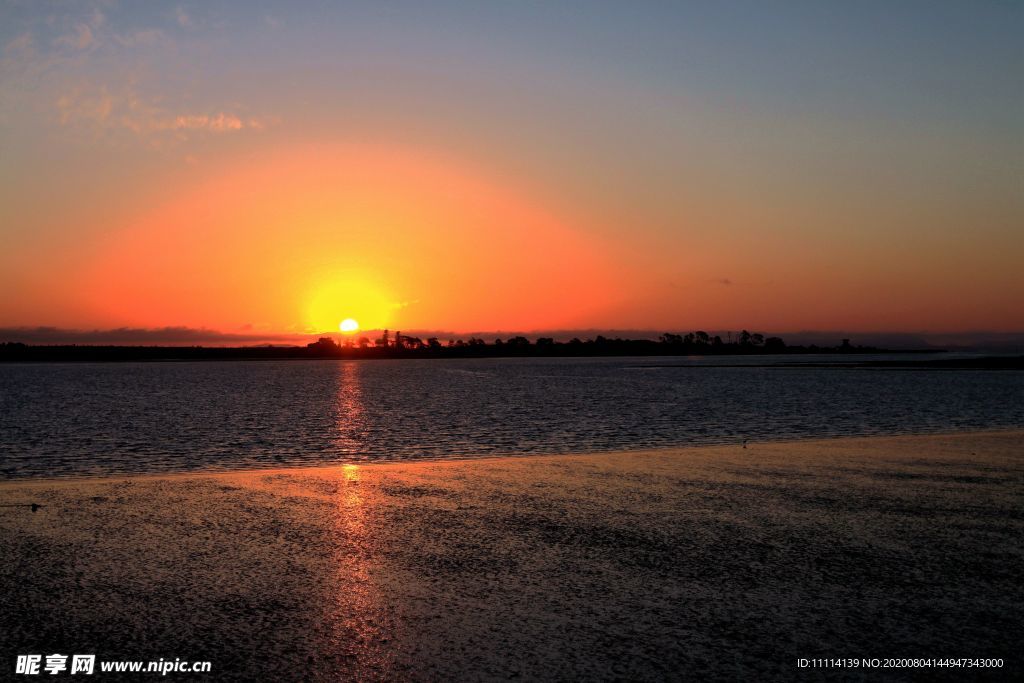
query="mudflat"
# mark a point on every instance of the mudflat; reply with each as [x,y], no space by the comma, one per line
[718,562]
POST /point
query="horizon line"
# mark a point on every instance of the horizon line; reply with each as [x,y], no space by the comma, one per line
[190,336]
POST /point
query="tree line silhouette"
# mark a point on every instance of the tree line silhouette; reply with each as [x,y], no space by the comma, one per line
[398,345]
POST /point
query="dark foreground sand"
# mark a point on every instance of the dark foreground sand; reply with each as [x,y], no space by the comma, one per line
[715,562]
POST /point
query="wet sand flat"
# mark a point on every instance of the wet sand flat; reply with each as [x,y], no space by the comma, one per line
[713,562]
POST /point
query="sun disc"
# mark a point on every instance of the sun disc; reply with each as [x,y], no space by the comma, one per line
[348,325]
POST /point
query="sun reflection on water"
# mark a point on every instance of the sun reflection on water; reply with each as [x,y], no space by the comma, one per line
[360,621]
[350,411]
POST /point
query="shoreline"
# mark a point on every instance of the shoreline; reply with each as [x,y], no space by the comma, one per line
[717,561]
[492,457]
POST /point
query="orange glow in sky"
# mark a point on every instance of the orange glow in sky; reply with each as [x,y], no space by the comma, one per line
[307,236]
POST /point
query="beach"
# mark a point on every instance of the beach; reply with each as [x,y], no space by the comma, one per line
[716,562]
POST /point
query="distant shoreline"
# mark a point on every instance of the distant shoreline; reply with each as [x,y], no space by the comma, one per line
[23,353]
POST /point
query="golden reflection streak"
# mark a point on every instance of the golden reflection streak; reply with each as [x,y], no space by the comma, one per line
[360,622]
[349,410]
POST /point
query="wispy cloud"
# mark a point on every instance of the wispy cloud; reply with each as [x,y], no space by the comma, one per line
[95,32]
[80,39]
[219,123]
[93,73]
[141,38]
[83,36]
[98,108]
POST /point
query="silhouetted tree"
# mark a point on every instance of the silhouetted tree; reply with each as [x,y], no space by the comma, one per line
[324,345]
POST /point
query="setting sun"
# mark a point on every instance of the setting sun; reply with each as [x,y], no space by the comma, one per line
[356,299]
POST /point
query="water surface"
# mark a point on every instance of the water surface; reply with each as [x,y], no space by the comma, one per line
[125,418]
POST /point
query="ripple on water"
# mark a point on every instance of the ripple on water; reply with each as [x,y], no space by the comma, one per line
[102,419]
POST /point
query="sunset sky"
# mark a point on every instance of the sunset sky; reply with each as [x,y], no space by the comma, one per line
[265,168]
